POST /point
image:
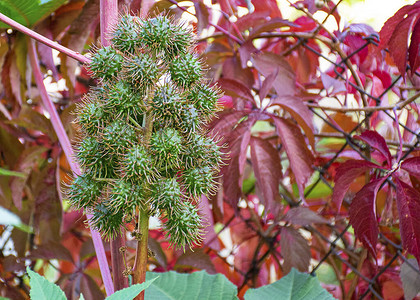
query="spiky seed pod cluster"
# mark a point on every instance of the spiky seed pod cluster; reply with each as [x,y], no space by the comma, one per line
[142,144]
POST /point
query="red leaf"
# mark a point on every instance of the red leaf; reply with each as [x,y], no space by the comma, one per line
[267,168]
[301,159]
[395,34]
[267,84]
[267,5]
[225,122]
[413,50]
[210,238]
[196,259]
[202,14]
[362,213]
[89,288]
[408,203]
[236,89]
[269,26]
[300,112]
[377,142]
[303,216]
[245,52]
[412,166]
[251,20]
[295,250]
[346,174]
[267,63]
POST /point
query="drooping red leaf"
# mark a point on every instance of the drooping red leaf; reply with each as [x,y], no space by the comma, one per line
[252,20]
[209,237]
[197,259]
[413,50]
[89,288]
[346,174]
[412,166]
[396,32]
[235,88]
[408,203]
[295,250]
[267,63]
[303,216]
[202,13]
[300,112]
[245,138]
[245,52]
[362,215]
[268,5]
[377,142]
[225,122]
[301,159]
[267,168]
[268,84]
[270,25]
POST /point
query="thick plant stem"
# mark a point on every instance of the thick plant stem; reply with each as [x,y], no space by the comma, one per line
[109,16]
[140,266]
[40,38]
[68,151]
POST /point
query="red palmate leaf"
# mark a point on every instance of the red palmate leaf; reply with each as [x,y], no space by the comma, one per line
[303,216]
[396,32]
[412,166]
[270,26]
[377,142]
[268,84]
[267,168]
[252,20]
[346,174]
[301,159]
[300,112]
[209,236]
[413,50]
[294,249]
[236,89]
[408,203]
[267,63]
[362,214]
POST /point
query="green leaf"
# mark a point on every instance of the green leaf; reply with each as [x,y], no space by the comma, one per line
[130,292]
[3,298]
[197,285]
[294,286]
[6,172]
[28,12]
[42,289]
[9,218]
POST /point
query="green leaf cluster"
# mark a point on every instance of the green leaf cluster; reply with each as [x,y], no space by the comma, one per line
[143,145]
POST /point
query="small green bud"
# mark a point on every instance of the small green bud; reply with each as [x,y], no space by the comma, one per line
[84,192]
[106,63]
[125,35]
[184,227]
[185,70]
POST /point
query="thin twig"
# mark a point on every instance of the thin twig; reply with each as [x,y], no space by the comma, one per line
[40,38]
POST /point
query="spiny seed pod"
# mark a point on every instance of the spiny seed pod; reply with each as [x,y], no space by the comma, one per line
[122,95]
[204,99]
[84,191]
[167,105]
[190,120]
[167,194]
[125,196]
[107,219]
[161,36]
[118,136]
[137,165]
[125,35]
[199,181]
[91,116]
[141,70]
[185,70]
[167,145]
[184,227]
[106,63]
[201,151]
[92,157]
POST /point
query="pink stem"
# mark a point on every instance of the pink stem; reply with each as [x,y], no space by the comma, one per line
[76,55]
[68,151]
[109,16]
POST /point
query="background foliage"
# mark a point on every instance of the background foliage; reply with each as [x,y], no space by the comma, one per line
[320,124]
